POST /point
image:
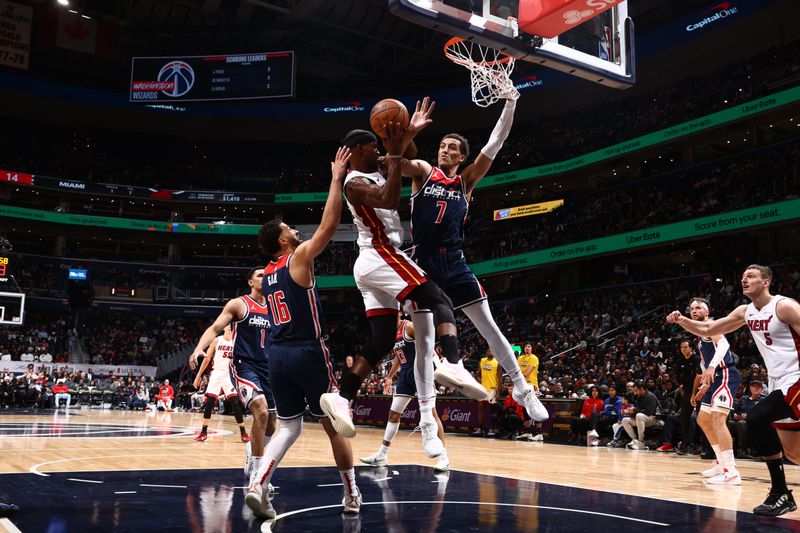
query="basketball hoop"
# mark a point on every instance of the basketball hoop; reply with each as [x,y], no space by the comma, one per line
[490,70]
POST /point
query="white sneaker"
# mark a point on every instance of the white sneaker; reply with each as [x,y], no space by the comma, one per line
[442,466]
[248,459]
[715,470]
[255,500]
[593,433]
[338,410]
[431,442]
[352,502]
[527,399]
[373,460]
[458,377]
[726,477]
[538,438]
[594,441]
[638,445]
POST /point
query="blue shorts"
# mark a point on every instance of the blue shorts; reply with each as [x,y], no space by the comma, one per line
[449,270]
[252,381]
[406,385]
[723,389]
[301,372]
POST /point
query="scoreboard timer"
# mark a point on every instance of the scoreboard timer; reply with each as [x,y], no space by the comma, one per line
[208,78]
[4,270]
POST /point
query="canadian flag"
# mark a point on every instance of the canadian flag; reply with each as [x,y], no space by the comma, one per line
[60,27]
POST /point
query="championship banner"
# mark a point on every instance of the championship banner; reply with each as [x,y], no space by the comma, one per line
[527,210]
[15,34]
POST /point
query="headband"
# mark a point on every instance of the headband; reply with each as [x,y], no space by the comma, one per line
[357,137]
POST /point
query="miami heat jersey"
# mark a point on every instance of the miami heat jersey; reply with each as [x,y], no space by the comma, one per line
[296,311]
[376,227]
[707,347]
[251,333]
[438,211]
[404,347]
[223,354]
[777,342]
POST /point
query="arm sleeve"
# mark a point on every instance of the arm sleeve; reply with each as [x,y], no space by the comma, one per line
[722,348]
[500,131]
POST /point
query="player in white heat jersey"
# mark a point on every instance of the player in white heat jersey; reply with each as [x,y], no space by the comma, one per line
[221,349]
[387,277]
[774,323]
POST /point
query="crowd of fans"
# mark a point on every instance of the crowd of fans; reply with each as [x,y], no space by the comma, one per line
[45,337]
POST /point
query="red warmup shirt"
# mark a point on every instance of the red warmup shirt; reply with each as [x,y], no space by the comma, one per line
[509,402]
[591,405]
[166,392]
[60,389]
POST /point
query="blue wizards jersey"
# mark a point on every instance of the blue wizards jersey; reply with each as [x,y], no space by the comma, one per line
[296,311]
[404,347]
[251,333]
[707,348]
[438,212]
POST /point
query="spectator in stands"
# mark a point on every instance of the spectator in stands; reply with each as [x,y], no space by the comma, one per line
[199,396]
[183,397]
[611,414]
[62,393]
[165,396]
[140,400]
[643,418]
[7,391]
[510,418]
[738,425]
[581,424]
[673,427]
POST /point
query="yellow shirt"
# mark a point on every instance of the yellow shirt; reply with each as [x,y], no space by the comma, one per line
[530,360]
[489,373]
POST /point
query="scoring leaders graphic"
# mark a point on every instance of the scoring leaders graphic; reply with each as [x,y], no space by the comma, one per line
[204,78]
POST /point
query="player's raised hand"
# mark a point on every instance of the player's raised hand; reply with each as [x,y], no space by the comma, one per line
[673,317]
[339,164]
[422,116]
[394,142]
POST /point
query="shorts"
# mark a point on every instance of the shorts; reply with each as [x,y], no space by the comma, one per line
[385,277]
[252,381]
[406,385]
[789,387]
[301,372]
[720,395]
[449,270]
[220,382]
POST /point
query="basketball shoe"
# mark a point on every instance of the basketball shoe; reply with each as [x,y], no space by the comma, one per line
[338,410]
[374,460]
[458,377]
[726,477]
[776,504]
[528,399]
[258,502]
[202,437]
[715,470]
[352,502]
[431,442]
[442,466]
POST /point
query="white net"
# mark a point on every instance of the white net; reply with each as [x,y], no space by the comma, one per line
[490,70]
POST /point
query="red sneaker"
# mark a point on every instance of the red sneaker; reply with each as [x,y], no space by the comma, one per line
[666,447]
[245,437]
[202,437]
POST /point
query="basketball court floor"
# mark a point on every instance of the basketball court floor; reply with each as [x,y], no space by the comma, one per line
[94,470]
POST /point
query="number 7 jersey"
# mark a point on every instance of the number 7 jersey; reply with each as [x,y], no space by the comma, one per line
[296,311]
[438,211]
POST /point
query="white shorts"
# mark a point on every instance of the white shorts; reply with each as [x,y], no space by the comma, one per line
[385,276]
[219,384]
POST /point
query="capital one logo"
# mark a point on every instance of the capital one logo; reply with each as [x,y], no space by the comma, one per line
[180,74]
[576,16]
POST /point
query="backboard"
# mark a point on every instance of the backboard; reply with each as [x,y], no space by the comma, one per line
[599,46]
[12,308]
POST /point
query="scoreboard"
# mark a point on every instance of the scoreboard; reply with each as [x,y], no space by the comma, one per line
[4,269]
[208,78]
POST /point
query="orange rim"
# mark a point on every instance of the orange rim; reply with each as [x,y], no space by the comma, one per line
[455,59]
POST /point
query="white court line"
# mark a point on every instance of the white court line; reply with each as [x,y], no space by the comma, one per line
[332,485]
[163,486]
[125,492]
[381,479]
[8,526]
[84,480]
[500,504]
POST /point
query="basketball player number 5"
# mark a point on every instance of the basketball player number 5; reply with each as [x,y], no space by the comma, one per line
[280,311]
[442,208]
[767,339]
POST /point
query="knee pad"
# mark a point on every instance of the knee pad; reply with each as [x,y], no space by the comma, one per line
[383,330]
[430,296]
[399,404]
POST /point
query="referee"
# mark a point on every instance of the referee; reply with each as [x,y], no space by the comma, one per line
[687,370]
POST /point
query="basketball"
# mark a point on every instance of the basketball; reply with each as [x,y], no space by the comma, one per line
[385,111]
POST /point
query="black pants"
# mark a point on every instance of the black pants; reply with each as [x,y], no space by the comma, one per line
[685,414]
[759,423]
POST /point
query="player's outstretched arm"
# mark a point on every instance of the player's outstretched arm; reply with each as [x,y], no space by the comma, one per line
[732,322]
[232,311]
[302,266]
[477,170]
